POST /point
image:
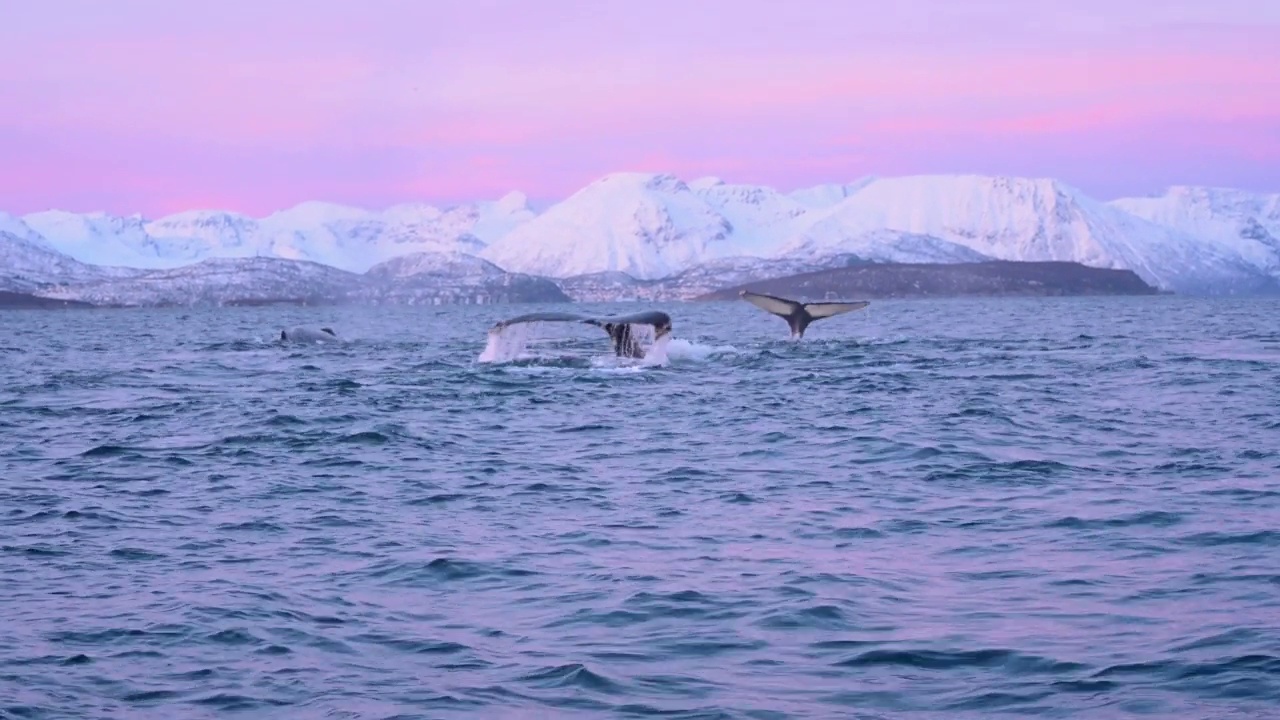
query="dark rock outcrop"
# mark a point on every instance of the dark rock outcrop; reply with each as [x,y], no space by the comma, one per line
[11,300]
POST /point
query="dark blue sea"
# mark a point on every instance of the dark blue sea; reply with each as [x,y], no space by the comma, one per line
[957,509]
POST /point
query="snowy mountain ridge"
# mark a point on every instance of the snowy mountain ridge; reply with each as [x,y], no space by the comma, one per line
[1247,223]
[652,226]
[341,236]
[418,278]
[655,226]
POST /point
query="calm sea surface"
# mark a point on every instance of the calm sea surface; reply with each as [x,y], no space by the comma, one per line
[967,508]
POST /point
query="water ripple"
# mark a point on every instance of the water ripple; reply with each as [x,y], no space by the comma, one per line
[1060,507]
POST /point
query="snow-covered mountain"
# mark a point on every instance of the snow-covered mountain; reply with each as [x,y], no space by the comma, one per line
[426,264]
[1028,220]
[825,196]
[830,237]
[646,225]
[18,229]
[640,233]
[451,278]
[28,262]
[420,278]
[340,236]
[95,238]
[653,226]
[1247,223]
[216,281]
[758,217]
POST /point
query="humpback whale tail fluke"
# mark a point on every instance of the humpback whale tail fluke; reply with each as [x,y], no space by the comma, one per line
[622,330]
[306,334]
[797,314]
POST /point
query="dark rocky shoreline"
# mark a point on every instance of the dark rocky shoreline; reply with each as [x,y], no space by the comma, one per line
[866,280]
[982,279]
[24,301]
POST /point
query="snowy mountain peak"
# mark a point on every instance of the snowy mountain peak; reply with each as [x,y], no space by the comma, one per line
[342,236]
[644,224]
[315,213]
[203,219]
[512,203]
[450,264]
[704,183]
[760,217]
[1219,194]
[1245,223]
[825,196]
[411,212]
[656,182]
[16,227]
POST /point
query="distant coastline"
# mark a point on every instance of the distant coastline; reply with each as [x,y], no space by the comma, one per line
[24,301]
[997,278]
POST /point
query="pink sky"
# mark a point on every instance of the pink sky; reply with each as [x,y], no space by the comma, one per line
[156,106]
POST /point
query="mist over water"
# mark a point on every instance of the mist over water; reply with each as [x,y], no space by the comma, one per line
[1060,507]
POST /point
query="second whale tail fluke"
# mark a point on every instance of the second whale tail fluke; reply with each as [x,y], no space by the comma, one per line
[797,314]
[309,335]
[625,343]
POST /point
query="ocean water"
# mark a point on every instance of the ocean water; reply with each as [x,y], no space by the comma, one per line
[964,508]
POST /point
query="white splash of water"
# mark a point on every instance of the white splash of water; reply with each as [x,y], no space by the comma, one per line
[508,343]
[681,349]
[616,366]
[656,353]
[518,342]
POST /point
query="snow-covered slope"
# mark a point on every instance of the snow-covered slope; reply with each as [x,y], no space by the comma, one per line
[820,197]
[25,265]
[1040,219]
[830,236]
[420,278]
[760,218]
[187,237]
[1247,223]
[653,225]
[27,262]
[97,238]
[490,220]
[217,281]
[450,278]
[422,264]
[646,225]
[17,229]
